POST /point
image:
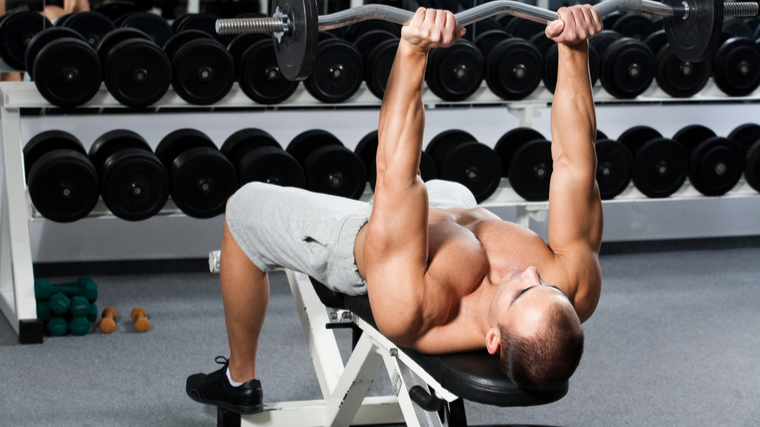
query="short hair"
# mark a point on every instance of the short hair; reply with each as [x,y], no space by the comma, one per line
[547,359]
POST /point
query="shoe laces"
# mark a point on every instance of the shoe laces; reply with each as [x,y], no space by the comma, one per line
[221,360]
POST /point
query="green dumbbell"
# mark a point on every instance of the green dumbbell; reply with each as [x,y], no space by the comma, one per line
[79,326]
[92,315]
[59,303]
[79,306]
[84,286]
[57,326]
[43,310]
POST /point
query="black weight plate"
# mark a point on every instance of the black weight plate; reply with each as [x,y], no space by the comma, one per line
[656,41]
[338,72]
[628,68]
[119,21]
[475,166]
[542,42]
[634,25]
[514,69]
[366,149]
[369,40]
[271,165]
[692,135]
[113,141]
[609,20]
[512,140]
[202,180]
[181,39]
[614,168]
[660,167]
[16,32]
[486,41]
[427,168]
[62,19]
[680,79]
[524,28]
[63,185]
[530,170]
[716,166]
[137,73]
[203,72]
[551,67]
[354,31]
[46,142]
[324,35]
[456,72]
[504,19]
[635,137]
[297,52]
[481,27]
[134,184]
[240,143]
[173,144]
[307,142]
[41,39]
[696,38]
[752,23]
[244,141]
[736,67]
[242,42]
[442,144]
[177,22]
[752,169]
[91,25]
[594,65]
[151,24]
[259,75]
[67,72]
[335,170]
[600,135]
[745,135]
[736,27]
[378,68]
[205,22]
[601,41]
[115,37]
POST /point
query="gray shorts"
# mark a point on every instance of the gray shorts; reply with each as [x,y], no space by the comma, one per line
[313,233]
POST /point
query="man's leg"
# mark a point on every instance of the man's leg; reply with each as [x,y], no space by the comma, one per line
[245,291]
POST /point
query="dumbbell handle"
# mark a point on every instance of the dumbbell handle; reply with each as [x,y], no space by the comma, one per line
[279,23]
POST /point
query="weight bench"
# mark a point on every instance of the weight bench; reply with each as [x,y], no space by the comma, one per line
[428,389]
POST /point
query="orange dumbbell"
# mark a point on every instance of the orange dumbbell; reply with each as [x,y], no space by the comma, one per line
[108,324]
[141,319]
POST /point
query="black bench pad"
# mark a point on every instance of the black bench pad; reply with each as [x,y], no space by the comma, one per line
[474,376]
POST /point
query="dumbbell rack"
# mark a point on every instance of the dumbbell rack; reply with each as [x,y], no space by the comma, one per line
[17,212]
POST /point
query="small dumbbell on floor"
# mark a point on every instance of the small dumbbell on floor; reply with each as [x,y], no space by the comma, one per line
[84,286]
[142,324]
[108,324]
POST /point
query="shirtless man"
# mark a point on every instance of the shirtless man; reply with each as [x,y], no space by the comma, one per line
[442,274]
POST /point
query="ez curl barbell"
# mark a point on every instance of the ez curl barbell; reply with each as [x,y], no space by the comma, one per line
[693,27]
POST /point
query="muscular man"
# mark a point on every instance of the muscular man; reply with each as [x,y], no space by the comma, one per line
[442,274]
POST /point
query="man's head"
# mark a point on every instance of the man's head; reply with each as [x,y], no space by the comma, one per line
[535,332]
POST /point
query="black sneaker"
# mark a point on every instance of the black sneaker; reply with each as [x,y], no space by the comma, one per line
[215,389]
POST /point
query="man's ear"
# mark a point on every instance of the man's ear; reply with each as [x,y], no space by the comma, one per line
[493,340]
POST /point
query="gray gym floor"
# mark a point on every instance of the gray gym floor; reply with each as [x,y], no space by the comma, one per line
[675,341]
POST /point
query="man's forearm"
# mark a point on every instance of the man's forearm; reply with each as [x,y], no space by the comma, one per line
[402,117]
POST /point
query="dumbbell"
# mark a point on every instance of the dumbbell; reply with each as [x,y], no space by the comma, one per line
[660,165]
[108,324]
[151,24]
[550,53]
[523,28]
[202,179]
[526,159]
[627,65]
[338,71]
[329,167]
[354,31]
[65,69]
[136,71]
[203,70]
[738,27]
[205,22]
[91,25]
[142,324]
[614,168]
[634,25]
[748,137]
[716,163]
[84,286]
[459,157]
[58,304]
[133,182]
[258,73]
[455,73]
[16,32]
[736,66]
[366,149]
[378,49]
[257,156]
[513,67]
[63,184]
[675,77]
[59,325]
